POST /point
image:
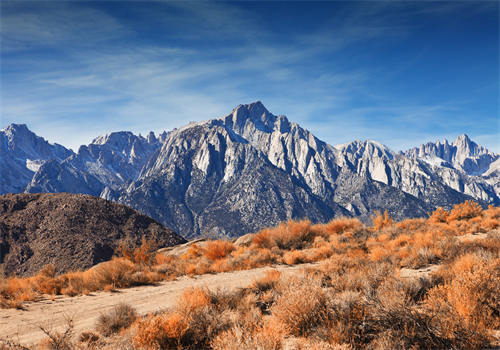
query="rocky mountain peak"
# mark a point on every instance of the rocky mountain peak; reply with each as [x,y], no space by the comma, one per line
[27,145]
[254,113]
[253,108]
[463,154]
[19,134]
[466,147]
[151,138]
[16,129]
[366,149]
[116,139]
[21,154]
[464,138]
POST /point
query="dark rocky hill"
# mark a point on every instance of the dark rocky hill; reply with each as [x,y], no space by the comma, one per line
[71,231]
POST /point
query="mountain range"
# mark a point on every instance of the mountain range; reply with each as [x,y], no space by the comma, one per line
[251,169]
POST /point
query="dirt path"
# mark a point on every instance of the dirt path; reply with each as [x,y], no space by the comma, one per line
[23,325]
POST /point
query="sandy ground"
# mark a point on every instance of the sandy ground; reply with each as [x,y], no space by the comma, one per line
[23,326]
[418,273]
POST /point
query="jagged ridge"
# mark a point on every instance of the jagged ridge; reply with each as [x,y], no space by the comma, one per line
[250,169]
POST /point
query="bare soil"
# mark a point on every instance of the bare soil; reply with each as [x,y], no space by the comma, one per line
[23,326]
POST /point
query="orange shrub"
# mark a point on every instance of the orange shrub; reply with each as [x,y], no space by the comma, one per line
[400,241]
[218,249]
[489,224]
[292,235]
[74,284]
[464,211]
[262,239]
[289,235]
[491,218]
[143,254]
[300,307]
[427,239]
[470,295]
[439,215]
[319,242]
[261,257]
[412,224]
[319,253]
[262,337]
[160,332]
[403,253]
[378,253]
[341,225]
[14,291]
[355,253]
[198,267]
[492,212]
[240,251]
[193,299]
[191,269]
[221,265]
[384,237]
[267,282]
[381,220]
[295,257]
[162,259]
[48,270]
[194,251]
[114,272]
[47,285]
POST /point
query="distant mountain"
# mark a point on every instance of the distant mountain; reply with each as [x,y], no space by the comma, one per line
[463,154]
[21,155]
[71,231]
[107,164]
[463,166]
[250,169]
[435,183]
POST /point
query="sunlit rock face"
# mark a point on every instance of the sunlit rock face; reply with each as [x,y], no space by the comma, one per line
[109,163]
[208,180]
[22,153]
[464,166]
[251,169]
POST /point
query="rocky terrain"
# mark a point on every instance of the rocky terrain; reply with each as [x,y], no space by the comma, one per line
[250,169]
[71,231]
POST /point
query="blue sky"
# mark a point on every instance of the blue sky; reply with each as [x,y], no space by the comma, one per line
[401,73]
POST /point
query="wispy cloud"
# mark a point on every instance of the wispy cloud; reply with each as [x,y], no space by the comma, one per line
[48,24]
[93,69]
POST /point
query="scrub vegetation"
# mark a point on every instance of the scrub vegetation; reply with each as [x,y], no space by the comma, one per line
[365,291]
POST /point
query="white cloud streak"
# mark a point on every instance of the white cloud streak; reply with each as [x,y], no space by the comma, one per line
[110,84]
